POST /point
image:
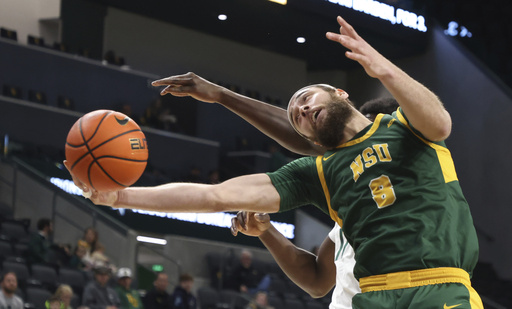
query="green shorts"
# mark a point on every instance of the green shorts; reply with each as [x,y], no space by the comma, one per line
[438,288]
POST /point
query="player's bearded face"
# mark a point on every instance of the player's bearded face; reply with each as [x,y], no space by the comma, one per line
[329,133]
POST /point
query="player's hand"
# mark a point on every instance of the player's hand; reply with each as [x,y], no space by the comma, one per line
[99,198]
[192,85]
[250,223]
[372,61]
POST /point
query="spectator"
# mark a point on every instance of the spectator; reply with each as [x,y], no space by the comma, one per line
[9,284]
[159,115]
[246,278]
[64,293]
[182,298]
[98,257]
[53,303]
[91,238]
[77,259]
[157,297]
[39,244]
[260,301]
[130,299]
[97,294]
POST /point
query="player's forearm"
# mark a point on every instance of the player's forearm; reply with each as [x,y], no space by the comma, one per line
[251,192]
[172,197]
[298,264]
[270,120]
[422,107]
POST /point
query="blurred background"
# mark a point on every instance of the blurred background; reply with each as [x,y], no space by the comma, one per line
[60,59]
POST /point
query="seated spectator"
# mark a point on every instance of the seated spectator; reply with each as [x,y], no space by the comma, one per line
[182,298]
[9,284]
[64,293]
[77,259]
[247,279]
[53,303]
[97,294]
[39,244]
[157,297]
[260,301]
[130,298]
[98,257]
[91,238]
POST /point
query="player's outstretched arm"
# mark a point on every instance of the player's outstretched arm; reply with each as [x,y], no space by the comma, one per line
[314,274]
[269,119]
[422,107]
[251,192]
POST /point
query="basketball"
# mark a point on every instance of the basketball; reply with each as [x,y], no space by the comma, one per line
[106,150]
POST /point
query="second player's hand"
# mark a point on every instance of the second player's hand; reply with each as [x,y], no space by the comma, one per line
[99,198]
[192,85]
[250,223]
[373,62]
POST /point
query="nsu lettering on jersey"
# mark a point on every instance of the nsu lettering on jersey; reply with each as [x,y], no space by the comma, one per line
[369,157]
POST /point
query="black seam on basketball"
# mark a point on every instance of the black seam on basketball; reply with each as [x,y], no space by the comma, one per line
[120,158]
[86,142]
[91,150]
[104,171]
[114,137]
[95,131]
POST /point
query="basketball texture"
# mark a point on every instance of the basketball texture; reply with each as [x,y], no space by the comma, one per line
[106,150]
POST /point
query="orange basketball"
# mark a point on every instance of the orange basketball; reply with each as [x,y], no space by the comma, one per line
[106,150]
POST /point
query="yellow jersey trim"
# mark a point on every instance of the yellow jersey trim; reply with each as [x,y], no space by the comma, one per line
[370,132]
[321,176]
[443,154]
[414,278]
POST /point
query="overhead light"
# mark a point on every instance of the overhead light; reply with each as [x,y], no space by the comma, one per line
[222,17]
[283,2]
[301,40]
[152,240]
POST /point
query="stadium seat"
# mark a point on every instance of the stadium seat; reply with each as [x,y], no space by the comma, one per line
[293,304]
[9,34]
[275,301]
[46,274]
[12,91]
[73,277]
[36,297]
[34,40]
[208,298]
[37,96]
[15,230]
[5,211]
[314,304]
[6,249]
[65,102]
[234,299]
[278,285]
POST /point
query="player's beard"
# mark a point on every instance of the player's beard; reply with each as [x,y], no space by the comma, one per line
[330,134]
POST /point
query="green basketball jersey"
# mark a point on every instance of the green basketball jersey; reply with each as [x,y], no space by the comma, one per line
[395,194]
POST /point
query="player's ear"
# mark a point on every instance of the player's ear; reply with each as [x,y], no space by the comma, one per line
[342,93]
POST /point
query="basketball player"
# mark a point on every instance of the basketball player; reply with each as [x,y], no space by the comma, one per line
[391,185]
[314,274]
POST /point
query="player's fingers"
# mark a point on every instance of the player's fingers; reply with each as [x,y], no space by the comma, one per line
[77,182]
[346,28]
[242,219]
[262,217]
[234,224]
[172,80]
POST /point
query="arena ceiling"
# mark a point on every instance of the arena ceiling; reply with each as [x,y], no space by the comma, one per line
[274,27]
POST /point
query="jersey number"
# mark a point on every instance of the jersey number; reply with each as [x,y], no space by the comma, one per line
[382,191]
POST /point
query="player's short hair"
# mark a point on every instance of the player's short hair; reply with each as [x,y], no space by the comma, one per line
[379,106]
